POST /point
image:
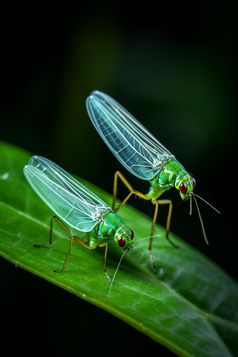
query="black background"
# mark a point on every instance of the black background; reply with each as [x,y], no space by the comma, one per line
[174,69]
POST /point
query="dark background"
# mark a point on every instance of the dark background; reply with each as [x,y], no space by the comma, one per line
[174,70]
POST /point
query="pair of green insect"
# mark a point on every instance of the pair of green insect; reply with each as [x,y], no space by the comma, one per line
[140,152]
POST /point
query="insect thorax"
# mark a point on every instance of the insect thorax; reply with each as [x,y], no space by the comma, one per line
[107,228]
[165,178]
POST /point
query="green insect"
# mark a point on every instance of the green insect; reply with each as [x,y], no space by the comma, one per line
[141,154]
[78,207]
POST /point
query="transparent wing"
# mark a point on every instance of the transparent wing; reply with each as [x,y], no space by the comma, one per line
[67,197]
[133,145]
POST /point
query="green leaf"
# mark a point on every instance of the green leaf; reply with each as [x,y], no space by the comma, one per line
[189,304]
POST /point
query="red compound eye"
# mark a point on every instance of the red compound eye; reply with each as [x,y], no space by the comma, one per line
[121,242]
[183,188]
[194,182]
[132,235]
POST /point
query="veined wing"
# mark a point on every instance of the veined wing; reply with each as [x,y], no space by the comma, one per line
[68,198]
[133,145]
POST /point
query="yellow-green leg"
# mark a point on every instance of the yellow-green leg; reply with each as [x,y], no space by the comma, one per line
[77,240]
[118,174]
[163,202]
[105,259]
[156,202]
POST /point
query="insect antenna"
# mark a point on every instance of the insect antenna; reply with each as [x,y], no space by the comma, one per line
[207,203]
[135,241]
[130,246]
[141,254]
[199,214]
[126,250]
[191,204]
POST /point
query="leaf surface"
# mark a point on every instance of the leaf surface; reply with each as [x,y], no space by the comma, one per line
[189,304]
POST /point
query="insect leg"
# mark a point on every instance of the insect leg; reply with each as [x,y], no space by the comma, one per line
[134,192]
[73,238]
[64,227]
[169,202]
[152,232]
[51,231]
[105,259]
[118,174]
[78,240]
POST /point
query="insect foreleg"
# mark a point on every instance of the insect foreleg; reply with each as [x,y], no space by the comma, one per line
[169,202]
[105,259]
[152,232]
